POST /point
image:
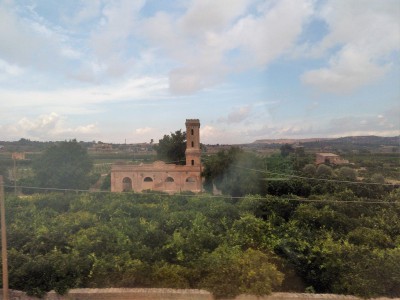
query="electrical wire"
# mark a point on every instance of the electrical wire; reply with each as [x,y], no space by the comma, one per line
[317,179]
[369,201]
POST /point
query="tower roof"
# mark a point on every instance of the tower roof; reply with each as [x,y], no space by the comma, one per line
[192,121]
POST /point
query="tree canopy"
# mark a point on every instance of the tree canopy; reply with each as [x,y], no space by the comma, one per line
[171,148]
[64,165]
[251,244]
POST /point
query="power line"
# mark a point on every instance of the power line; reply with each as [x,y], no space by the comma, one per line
[318,179]
[370,201]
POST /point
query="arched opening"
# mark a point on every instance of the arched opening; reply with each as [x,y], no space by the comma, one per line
[191,131]
[190,179]
[170,184]
[147,183]
[169,179]
[126,184]
[190,184]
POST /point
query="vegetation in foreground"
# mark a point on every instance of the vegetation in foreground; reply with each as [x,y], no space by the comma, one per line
[286,225]
[228,246]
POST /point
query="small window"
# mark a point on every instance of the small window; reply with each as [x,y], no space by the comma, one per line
[192,144]
[192,132]
[192,162]
[148,179]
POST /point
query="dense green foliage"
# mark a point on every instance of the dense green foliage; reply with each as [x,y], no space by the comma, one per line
[171,148]
[229,246]
[64,165]
[231,172]
[239,173]
[283,225]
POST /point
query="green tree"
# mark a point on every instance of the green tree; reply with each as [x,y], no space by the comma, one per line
[346,173]
[106,184]
[65,165]
[216,166]
[230,272]
[309,170]
[324,171]
[235,172]
[171,148]
[286,149]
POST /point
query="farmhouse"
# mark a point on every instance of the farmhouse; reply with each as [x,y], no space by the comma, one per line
[329,158]
[160,176]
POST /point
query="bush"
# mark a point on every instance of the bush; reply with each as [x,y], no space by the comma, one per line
[230,272]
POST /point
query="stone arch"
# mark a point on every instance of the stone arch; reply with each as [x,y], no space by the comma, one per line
[170,184]
[126,184]
[169,179]
[148,183]
[191,179]
[190,184]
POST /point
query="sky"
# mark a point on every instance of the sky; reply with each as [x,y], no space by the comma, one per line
[131,71]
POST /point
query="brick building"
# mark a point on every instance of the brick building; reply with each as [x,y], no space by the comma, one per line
[160,176]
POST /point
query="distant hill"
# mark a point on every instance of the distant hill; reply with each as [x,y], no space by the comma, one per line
[289,141]
[370,140]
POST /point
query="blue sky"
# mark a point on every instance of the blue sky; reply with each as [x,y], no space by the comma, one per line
[248,69]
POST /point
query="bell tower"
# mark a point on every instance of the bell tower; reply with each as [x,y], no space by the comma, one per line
[193,151]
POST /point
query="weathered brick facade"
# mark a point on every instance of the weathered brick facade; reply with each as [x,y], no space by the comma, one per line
[160,176]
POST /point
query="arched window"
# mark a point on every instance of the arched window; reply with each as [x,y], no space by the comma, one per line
[192,162]
[126,184]
[192,144]
[190,179]
[148,183]
[169,179]
[192,132]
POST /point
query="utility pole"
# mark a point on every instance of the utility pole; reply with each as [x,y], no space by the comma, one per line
[15,175]
[16,156]
[3,241]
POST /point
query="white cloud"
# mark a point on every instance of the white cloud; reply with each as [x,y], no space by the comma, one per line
[7,69]
[16,38]
[109,40]
[238,115]
[210,16]
[143,131]
[216,135]
[44,127]
[133,89]
[294,129]
[88,11]
[87,129]
[210,41]
[272,33]
[385,123]
[364,37]
[347,70]
[32,43]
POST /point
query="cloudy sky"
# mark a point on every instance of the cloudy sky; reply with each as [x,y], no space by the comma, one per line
[248,69]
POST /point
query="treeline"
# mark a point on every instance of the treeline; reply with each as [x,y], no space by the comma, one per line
[293,172]
[226,245]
